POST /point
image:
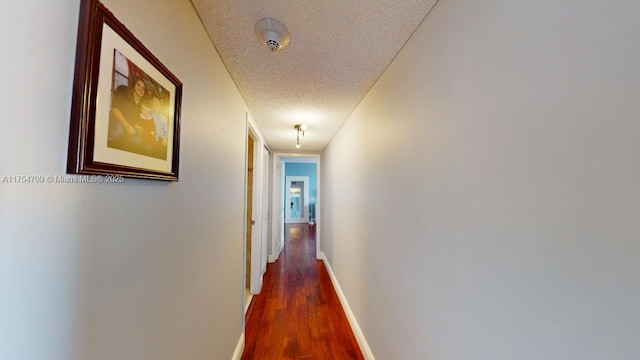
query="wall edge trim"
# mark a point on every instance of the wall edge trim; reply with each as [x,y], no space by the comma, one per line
[237,354]
[355,327]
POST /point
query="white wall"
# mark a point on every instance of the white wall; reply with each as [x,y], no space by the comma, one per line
[140,270]
[483,201]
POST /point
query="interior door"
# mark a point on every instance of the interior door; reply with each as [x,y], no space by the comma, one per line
[265,210]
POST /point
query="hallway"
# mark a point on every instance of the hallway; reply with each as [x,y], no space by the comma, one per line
[298,315]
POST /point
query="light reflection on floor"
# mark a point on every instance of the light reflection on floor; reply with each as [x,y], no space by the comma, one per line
[295,233]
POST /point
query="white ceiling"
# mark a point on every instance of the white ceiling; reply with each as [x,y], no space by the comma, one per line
[338,49]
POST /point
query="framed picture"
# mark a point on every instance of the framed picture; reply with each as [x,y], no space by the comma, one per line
[125,112]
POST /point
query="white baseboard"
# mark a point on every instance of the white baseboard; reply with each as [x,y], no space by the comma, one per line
[362,342]
[246,306]
[237,355]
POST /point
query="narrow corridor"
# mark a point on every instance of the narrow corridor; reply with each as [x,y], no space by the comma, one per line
[298,315]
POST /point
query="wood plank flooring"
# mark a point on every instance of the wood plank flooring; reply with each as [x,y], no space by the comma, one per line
[298,315]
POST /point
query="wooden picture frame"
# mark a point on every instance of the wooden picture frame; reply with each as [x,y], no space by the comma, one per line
[125,112]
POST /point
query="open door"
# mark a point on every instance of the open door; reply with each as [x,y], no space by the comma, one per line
[265,212]
[278,209]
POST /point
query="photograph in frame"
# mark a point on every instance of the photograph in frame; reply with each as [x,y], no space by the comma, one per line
[125,116]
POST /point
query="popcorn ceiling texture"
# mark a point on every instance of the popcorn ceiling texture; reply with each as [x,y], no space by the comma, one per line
[338,50]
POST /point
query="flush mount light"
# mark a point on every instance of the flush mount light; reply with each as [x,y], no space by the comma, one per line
[272,33]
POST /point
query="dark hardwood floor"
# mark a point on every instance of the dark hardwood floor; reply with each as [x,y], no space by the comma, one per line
[298,315]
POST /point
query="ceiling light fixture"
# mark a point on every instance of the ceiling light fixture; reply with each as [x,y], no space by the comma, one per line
[272,33]
[300,128]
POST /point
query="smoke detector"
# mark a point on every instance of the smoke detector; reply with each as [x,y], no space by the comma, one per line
[272,33]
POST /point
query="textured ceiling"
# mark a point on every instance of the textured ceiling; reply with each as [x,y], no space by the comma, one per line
[338,49]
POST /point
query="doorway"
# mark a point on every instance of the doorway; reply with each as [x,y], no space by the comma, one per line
[256,211]
[249,220]
[309,204]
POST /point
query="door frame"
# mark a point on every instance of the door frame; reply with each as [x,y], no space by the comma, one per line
[259,244]
[277,200]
